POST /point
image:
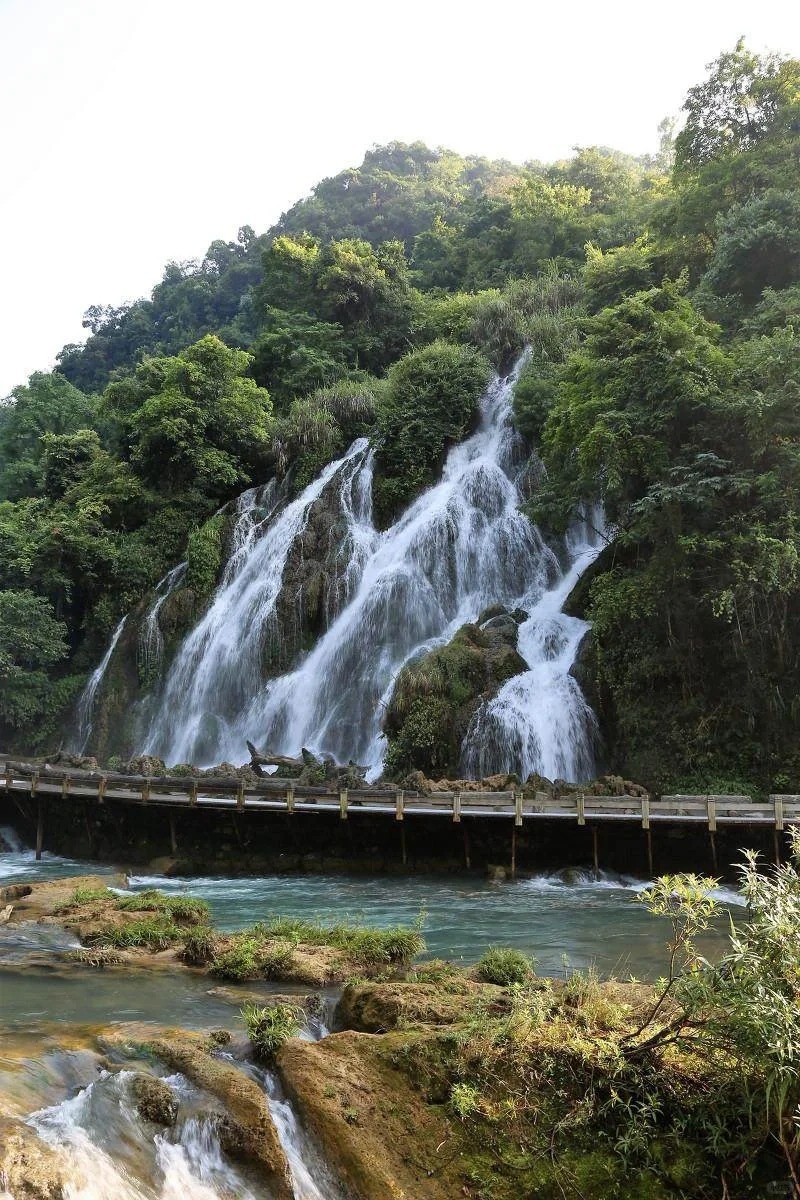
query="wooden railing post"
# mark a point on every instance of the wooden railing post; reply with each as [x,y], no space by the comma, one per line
[193,793]
[398,805]
[517,808]
[240,795]
[101,789]
[146,790]
[778,805]
[343,804]
[645,812]
[581,802]
[456,806]
[290,799]
[65,787]
[711,809]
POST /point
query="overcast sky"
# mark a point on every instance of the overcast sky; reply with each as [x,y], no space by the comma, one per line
[136,131]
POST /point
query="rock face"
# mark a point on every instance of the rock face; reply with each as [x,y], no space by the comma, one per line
[435,696]
[378,1134]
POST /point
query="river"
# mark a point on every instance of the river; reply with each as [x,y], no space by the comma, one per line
[50,1010]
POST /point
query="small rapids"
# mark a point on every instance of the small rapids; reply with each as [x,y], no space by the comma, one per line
[109,1152]
[460,548]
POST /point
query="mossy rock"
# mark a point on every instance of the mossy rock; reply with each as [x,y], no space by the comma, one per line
[436,696]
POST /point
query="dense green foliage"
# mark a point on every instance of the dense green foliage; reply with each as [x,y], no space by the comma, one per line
[660,298]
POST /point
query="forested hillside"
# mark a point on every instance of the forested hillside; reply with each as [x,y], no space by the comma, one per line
[661,302]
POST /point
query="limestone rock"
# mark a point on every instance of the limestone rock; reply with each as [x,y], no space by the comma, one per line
[155,1100]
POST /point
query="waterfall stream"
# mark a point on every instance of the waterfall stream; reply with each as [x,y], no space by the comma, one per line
[460,548]
[110,1153]
[85,709]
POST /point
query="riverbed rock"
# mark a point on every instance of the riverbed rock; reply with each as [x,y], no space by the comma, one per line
[247,1131]
[378,1007]
[376,1132]
[29,1168]
[155,1100]
[146,764]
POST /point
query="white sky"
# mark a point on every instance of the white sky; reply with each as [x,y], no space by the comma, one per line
[137,131]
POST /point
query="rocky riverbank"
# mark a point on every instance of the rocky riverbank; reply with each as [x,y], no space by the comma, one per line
[438,1082]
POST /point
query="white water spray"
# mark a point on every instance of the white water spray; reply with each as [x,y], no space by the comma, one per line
[85,710]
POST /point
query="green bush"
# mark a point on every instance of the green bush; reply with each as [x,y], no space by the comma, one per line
[430,401]
[505,966]
[242,960]
[269,1028]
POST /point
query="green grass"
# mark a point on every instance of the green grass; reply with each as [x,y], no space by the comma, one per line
[397,945]
[151,933]
[269,1028]
[187,909]
[85,896]
[199,946]
[504,966]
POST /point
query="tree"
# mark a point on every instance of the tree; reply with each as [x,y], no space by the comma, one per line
[47,404]
[195,419]
[746,99]
[31,639]
[430,401]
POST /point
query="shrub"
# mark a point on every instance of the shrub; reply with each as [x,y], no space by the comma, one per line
[464,1099]
[199,947]
[269,1028]
[504,966]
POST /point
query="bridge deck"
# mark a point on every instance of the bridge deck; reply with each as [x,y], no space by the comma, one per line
[284,795]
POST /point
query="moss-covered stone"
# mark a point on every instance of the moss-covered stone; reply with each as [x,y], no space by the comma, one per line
[436,696]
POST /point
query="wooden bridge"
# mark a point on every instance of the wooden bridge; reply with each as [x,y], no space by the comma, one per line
[173,793]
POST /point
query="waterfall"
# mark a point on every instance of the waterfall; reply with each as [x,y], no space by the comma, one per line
[85,709]
[219,666]
[539,720]
[460,548]
[151,639]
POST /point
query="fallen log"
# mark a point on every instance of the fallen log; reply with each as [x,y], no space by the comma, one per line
[260,759]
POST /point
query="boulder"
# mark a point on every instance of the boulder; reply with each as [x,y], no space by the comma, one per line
[155,1100]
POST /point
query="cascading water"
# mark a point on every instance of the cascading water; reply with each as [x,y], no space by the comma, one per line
[151,639]
[539,720]
[85,710]
[460,548]
[219,666]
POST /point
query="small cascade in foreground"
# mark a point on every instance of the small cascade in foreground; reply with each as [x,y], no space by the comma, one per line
[85,711]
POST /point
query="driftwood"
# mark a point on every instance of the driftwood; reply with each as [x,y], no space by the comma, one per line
[260,759]
[5,913]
